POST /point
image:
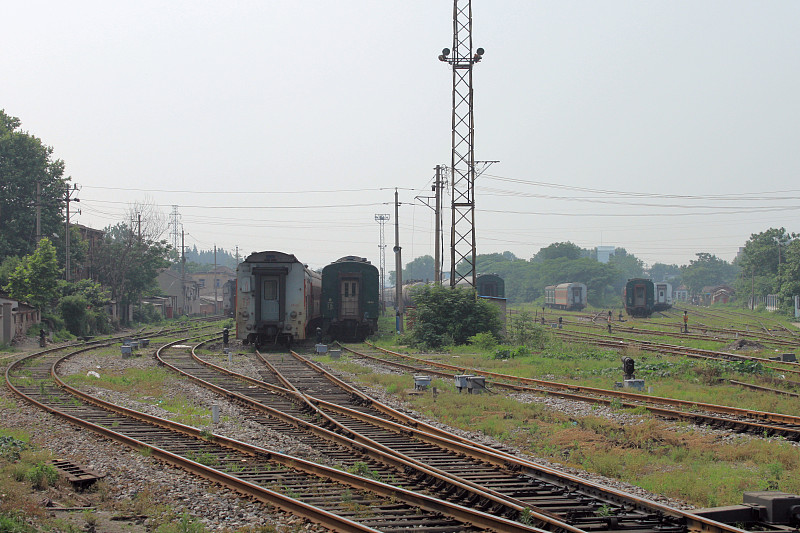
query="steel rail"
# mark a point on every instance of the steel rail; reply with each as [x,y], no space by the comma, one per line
[696,353]
[722,409]
[758,422]
[693,522]
[337,523]
[503,505]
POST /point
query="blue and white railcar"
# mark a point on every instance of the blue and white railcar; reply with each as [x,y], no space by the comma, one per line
[277,299]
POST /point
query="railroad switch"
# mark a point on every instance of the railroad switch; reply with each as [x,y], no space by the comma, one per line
[760,507]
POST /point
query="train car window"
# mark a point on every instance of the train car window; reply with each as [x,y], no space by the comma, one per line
[355,286]
[270,289]
[346,290]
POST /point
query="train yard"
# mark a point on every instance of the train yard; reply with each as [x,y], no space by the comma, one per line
[296,438]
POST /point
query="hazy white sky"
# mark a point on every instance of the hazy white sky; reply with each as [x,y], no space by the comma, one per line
[665,127]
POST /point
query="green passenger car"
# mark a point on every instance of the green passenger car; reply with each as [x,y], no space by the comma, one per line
[639,297]
[350,298]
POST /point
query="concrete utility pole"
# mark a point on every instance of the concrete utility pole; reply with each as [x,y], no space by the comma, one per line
[382,219]
[437,211]
[68,198]
[38,212]
[183,276]
[215,280]
[437,261]
[398,266]
[462,234]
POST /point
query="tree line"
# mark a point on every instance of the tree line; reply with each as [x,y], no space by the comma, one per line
[124,263]
[769,263]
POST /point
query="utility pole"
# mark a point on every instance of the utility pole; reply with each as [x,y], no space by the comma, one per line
[382,219]
[183,276]
[398,267]
[215,280]
[462,234]
[139,226]
[68,198]
[437,211]
[237,256]
[437,261]
[38,212]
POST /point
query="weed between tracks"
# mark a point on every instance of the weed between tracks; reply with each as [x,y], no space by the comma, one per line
[677,460]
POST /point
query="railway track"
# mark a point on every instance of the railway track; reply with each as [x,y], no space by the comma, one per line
[336,499]
[672,349]
[556,502]
[717,416]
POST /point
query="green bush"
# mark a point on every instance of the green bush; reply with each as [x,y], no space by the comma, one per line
[74,313]
[41,475]
[484,341]
[10,448]
[146,314]
[507,352]
[13,524]
[448,316]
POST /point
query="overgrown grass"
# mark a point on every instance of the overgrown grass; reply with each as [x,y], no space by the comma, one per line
[667,459]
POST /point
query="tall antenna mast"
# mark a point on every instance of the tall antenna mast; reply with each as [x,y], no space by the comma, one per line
[462,234]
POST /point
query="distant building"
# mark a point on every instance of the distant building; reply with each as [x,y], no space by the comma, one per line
[88,269]
[681,294]
[604,253]
[206,280]
[187,300]
[717,294]
[15,318]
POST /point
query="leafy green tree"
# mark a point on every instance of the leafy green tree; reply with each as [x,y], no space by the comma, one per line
[24,161]
[94,299]
[74,311]
[557,250]
[707,270]
[128,266]
[7,266]
[628,266]
[421,269]
[664,272]
[763,261]
[35,278]
[451,316]
[790,274]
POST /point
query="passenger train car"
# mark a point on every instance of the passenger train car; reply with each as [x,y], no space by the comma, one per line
[490,285]
[662,299]
[277,299]
[638,296]
[350,298]
[229,298]
[568,296]
[487,285]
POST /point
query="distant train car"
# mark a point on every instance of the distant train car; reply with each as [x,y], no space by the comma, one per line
[350,298]
[663,296]
[407,291]
[277,299]
[638,296]
[490,285]
[568,296]
[229,298]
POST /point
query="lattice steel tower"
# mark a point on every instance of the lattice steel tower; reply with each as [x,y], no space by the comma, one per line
[175,224]
[462,233]
[382,219]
